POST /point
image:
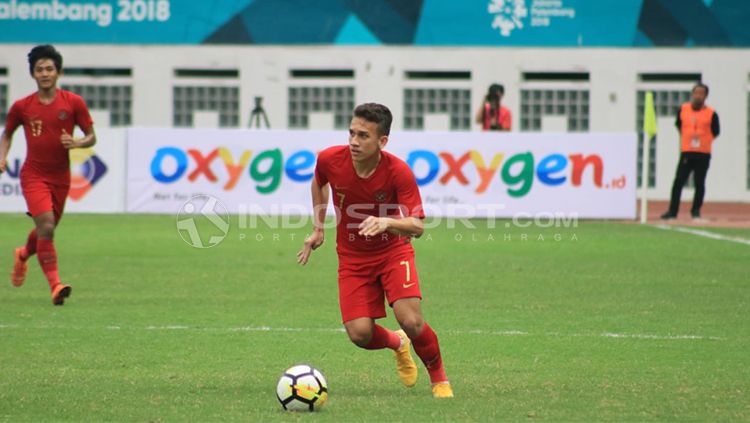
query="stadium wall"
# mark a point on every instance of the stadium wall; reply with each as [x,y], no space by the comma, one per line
[611,79]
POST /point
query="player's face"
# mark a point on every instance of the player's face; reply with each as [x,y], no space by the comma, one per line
[45,74]
[364,139]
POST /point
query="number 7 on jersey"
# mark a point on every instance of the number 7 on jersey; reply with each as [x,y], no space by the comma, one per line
[405,263]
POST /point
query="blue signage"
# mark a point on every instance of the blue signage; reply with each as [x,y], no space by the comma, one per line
[529,23]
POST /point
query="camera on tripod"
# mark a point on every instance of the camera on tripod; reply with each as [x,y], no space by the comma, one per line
[257,113]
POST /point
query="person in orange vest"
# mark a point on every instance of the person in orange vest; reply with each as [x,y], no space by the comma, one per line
[698,125]
[492,115]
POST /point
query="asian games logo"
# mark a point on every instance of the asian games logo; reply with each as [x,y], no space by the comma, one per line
[509,15]
[86,170]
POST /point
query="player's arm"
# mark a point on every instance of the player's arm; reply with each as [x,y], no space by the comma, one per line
[82,120]
[320,195]
[5,141]
[88,140]
[410,223]
[13,121]
[405,226]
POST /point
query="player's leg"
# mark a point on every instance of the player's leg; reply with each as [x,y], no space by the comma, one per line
[46,203]
[21,256]
[61,291]
[681,176]
[360,331]
[362,297]
[46,252]
[38,199]
[401,283]
[408,312]
[361,300]
[30,248]
[365,333]
[700,170]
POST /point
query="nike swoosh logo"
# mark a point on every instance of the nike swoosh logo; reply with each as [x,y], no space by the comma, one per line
[408,285]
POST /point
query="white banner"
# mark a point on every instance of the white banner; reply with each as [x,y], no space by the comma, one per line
[460,174]
[97,175]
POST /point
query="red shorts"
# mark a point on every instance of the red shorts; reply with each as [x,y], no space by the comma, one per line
[43,195]
[366,282]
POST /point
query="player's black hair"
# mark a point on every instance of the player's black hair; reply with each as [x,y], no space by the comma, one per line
[700,84]
[376,113]
[45,51]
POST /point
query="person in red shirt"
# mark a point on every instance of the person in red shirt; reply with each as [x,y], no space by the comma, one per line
[492,115]
[379,210]
[48,117]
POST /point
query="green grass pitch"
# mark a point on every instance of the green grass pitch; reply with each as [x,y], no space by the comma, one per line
[605,322]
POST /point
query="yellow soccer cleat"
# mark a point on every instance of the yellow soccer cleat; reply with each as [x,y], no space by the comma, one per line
[442,390]
[407,369]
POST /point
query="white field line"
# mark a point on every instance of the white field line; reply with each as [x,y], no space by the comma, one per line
[705,234]
[643,336]
[660,337]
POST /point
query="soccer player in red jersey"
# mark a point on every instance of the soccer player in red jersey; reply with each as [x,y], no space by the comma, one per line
[48,117]
[378,210]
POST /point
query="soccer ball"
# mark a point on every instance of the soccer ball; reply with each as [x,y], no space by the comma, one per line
[302,388]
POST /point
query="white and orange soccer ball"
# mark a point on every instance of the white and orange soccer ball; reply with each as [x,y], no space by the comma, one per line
[302,388]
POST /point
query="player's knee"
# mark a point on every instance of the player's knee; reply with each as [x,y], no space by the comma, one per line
[359,336]
[412,324]
[46,229]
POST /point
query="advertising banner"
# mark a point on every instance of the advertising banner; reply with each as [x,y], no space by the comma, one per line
[459,174]
[97,175]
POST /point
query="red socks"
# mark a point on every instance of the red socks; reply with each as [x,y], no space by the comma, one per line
[425,345]
[427,348]
[383,338]
[30,249]
[47,257]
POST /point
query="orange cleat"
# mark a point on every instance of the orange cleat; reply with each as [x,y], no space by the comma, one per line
[442,390]
[18,275]
[60,293]
[407,369]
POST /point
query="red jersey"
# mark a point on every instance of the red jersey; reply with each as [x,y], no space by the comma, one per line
[391,191]
[44,124]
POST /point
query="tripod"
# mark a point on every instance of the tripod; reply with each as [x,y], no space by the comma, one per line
[256,114]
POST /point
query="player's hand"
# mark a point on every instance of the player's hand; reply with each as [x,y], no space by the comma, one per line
[312,242]
[373,226]
[3,165]
[67,141]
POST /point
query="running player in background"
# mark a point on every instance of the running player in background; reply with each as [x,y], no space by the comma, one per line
[48,117]
[379,210]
